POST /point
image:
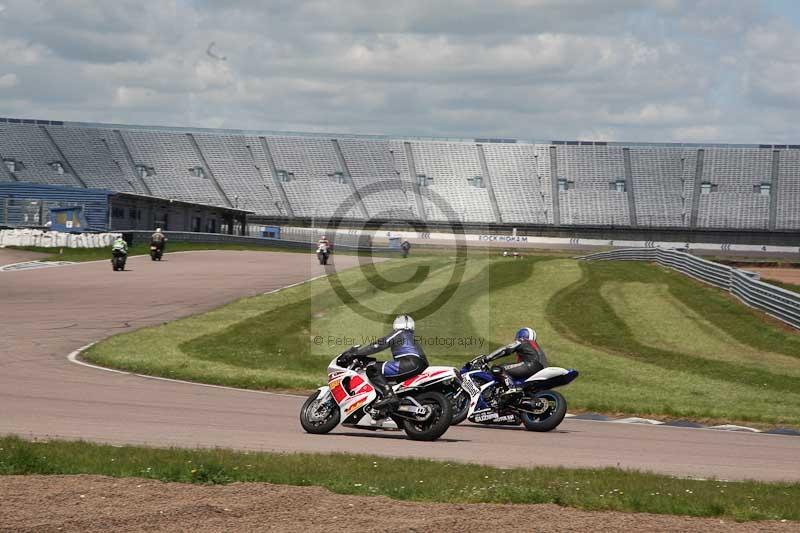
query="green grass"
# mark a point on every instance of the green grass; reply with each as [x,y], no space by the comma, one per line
[647,341]
[788,286]
[93,254]
[415,480]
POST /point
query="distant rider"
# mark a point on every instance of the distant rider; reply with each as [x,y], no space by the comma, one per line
[406,247]
[408,359]
[323,244]
[158,239]
[119,245]
[530,359]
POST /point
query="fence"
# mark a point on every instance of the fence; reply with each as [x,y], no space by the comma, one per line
[55,239]
[775,301]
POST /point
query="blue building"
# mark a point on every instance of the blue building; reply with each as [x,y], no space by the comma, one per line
[97,210]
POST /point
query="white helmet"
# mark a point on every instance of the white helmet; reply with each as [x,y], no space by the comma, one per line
[403,322]
[158,230]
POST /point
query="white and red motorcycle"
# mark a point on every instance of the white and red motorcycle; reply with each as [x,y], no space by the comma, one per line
[424,412]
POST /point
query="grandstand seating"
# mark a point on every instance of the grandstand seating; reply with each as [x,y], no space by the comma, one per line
[313,165]
[520,175]
[314,175]
[89,152]
[788,208]
[735,172]
[29,146]
[663,185]
[448,167]
[246,183]
[592,169]
[171,157]
[385,190]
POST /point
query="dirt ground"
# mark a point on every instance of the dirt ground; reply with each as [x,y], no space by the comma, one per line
[785,275]
[97,503]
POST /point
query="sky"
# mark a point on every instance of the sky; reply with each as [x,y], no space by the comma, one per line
[622,70]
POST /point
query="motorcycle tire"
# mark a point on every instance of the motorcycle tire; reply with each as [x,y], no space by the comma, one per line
[552,418]
[434,427]
[329,420]
[459,402]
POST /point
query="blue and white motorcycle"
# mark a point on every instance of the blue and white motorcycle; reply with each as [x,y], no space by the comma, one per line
[537,407]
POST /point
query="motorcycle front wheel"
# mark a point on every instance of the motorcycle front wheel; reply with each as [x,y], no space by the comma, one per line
[437,421]
[551,415]
[319,416]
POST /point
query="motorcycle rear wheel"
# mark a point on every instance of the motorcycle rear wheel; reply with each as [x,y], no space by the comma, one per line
[551,418]
[438,422]
[315,422]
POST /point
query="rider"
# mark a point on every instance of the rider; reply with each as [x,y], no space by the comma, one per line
[408,359]
[406,247]
[323,244]
[158,239]
[119,245]
[530,359]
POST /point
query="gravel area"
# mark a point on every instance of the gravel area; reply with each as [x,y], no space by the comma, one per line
[98,503]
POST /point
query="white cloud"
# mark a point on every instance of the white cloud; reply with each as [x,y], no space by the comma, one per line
[8,80]
[626,70]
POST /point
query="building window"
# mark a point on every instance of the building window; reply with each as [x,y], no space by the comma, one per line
[708,187]
[339,177]
[763,189]
[13,165]
[197,172]
[117,212]
[144,171]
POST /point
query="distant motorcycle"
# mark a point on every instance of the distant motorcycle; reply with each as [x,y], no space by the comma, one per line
[424,412]
[537,407]
[118,259]
[323,254]
[156,252]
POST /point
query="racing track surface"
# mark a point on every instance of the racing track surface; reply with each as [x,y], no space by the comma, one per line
[45,314]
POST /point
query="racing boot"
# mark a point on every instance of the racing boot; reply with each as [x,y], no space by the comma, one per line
[388,397]
[511,392]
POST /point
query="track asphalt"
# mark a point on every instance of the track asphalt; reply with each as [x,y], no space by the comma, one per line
[47,313]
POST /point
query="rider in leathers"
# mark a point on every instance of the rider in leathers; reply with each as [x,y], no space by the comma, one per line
[530,359]
[408,359]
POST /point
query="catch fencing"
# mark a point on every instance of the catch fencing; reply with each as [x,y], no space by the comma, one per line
[775,301]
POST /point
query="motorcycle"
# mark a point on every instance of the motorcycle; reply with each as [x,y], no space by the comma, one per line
[323,254]
[537,407]
[118,259]
[424,411]
[156,252]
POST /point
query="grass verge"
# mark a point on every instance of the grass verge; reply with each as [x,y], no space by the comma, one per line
[416,480]
[647,341]
[78,255]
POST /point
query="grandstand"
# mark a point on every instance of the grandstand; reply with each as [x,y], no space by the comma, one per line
[490,182]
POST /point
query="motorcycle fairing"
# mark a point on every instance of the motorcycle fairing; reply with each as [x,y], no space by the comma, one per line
[431,375]
[352,392]
[550,377]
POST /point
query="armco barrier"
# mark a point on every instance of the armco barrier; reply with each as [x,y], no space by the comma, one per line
[775,301]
